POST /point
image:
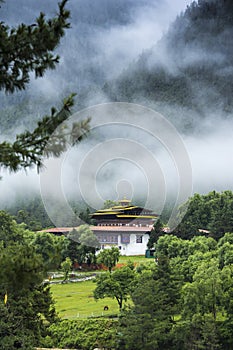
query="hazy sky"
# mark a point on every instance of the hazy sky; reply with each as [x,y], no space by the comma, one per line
[105,37]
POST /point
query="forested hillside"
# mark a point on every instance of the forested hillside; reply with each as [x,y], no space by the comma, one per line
[190,67]
[31,211]
[85,64]
[188,72]
[209,214]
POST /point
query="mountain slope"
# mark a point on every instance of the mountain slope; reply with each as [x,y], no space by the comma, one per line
[191,66]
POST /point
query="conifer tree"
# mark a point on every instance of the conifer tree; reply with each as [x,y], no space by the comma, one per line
[148,323]
[23,50]
[29,48]
[26,306]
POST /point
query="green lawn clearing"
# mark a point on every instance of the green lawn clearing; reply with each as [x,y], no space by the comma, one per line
[135,259]
[75,300]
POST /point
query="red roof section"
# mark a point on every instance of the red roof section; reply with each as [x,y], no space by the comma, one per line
[101,228]
[121,228]
[58,229]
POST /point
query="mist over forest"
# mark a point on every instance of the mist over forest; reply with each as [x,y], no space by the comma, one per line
[164,55]
[116,168]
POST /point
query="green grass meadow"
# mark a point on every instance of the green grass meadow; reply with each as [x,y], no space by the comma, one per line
[137,259]
[75,300]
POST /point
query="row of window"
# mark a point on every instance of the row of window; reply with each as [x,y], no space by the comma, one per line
[125,238]
[107,238]
[119,224]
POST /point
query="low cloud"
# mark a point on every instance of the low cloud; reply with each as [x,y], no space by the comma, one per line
[93,53]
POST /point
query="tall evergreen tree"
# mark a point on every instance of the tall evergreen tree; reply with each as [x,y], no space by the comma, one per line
[148,324]
[26,304]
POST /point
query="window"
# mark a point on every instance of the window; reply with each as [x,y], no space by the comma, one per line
[125,238]
[103,238]
[139,238]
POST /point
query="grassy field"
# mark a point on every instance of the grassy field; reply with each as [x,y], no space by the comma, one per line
[135,259]
[75,300]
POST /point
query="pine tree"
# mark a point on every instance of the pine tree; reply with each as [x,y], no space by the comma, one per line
[28,307]
[29,48]
[26,49]
[148,324]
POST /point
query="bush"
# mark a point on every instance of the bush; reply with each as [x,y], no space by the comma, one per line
[82,334]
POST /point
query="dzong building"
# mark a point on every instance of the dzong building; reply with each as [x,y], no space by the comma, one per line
[126,226]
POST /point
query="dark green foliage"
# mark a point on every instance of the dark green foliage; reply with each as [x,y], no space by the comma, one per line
[85,216]
[29,304]
[155,233]
[225,251]
[31,212]
[116,285]
[13,337]
[9,231]
[66,267]
[50,247]
[200,333]
[82,334]
[184,301]
[226,334]
[22,318]
[109,257]
[82,245]
[211,212]
[72,251]
[148,324]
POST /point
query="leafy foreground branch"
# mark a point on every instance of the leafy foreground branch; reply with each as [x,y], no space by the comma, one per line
[50,138]
[29,48]
[23,50]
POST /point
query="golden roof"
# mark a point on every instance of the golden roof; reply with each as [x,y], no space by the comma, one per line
[137,216]
[109,212]
[121,211]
